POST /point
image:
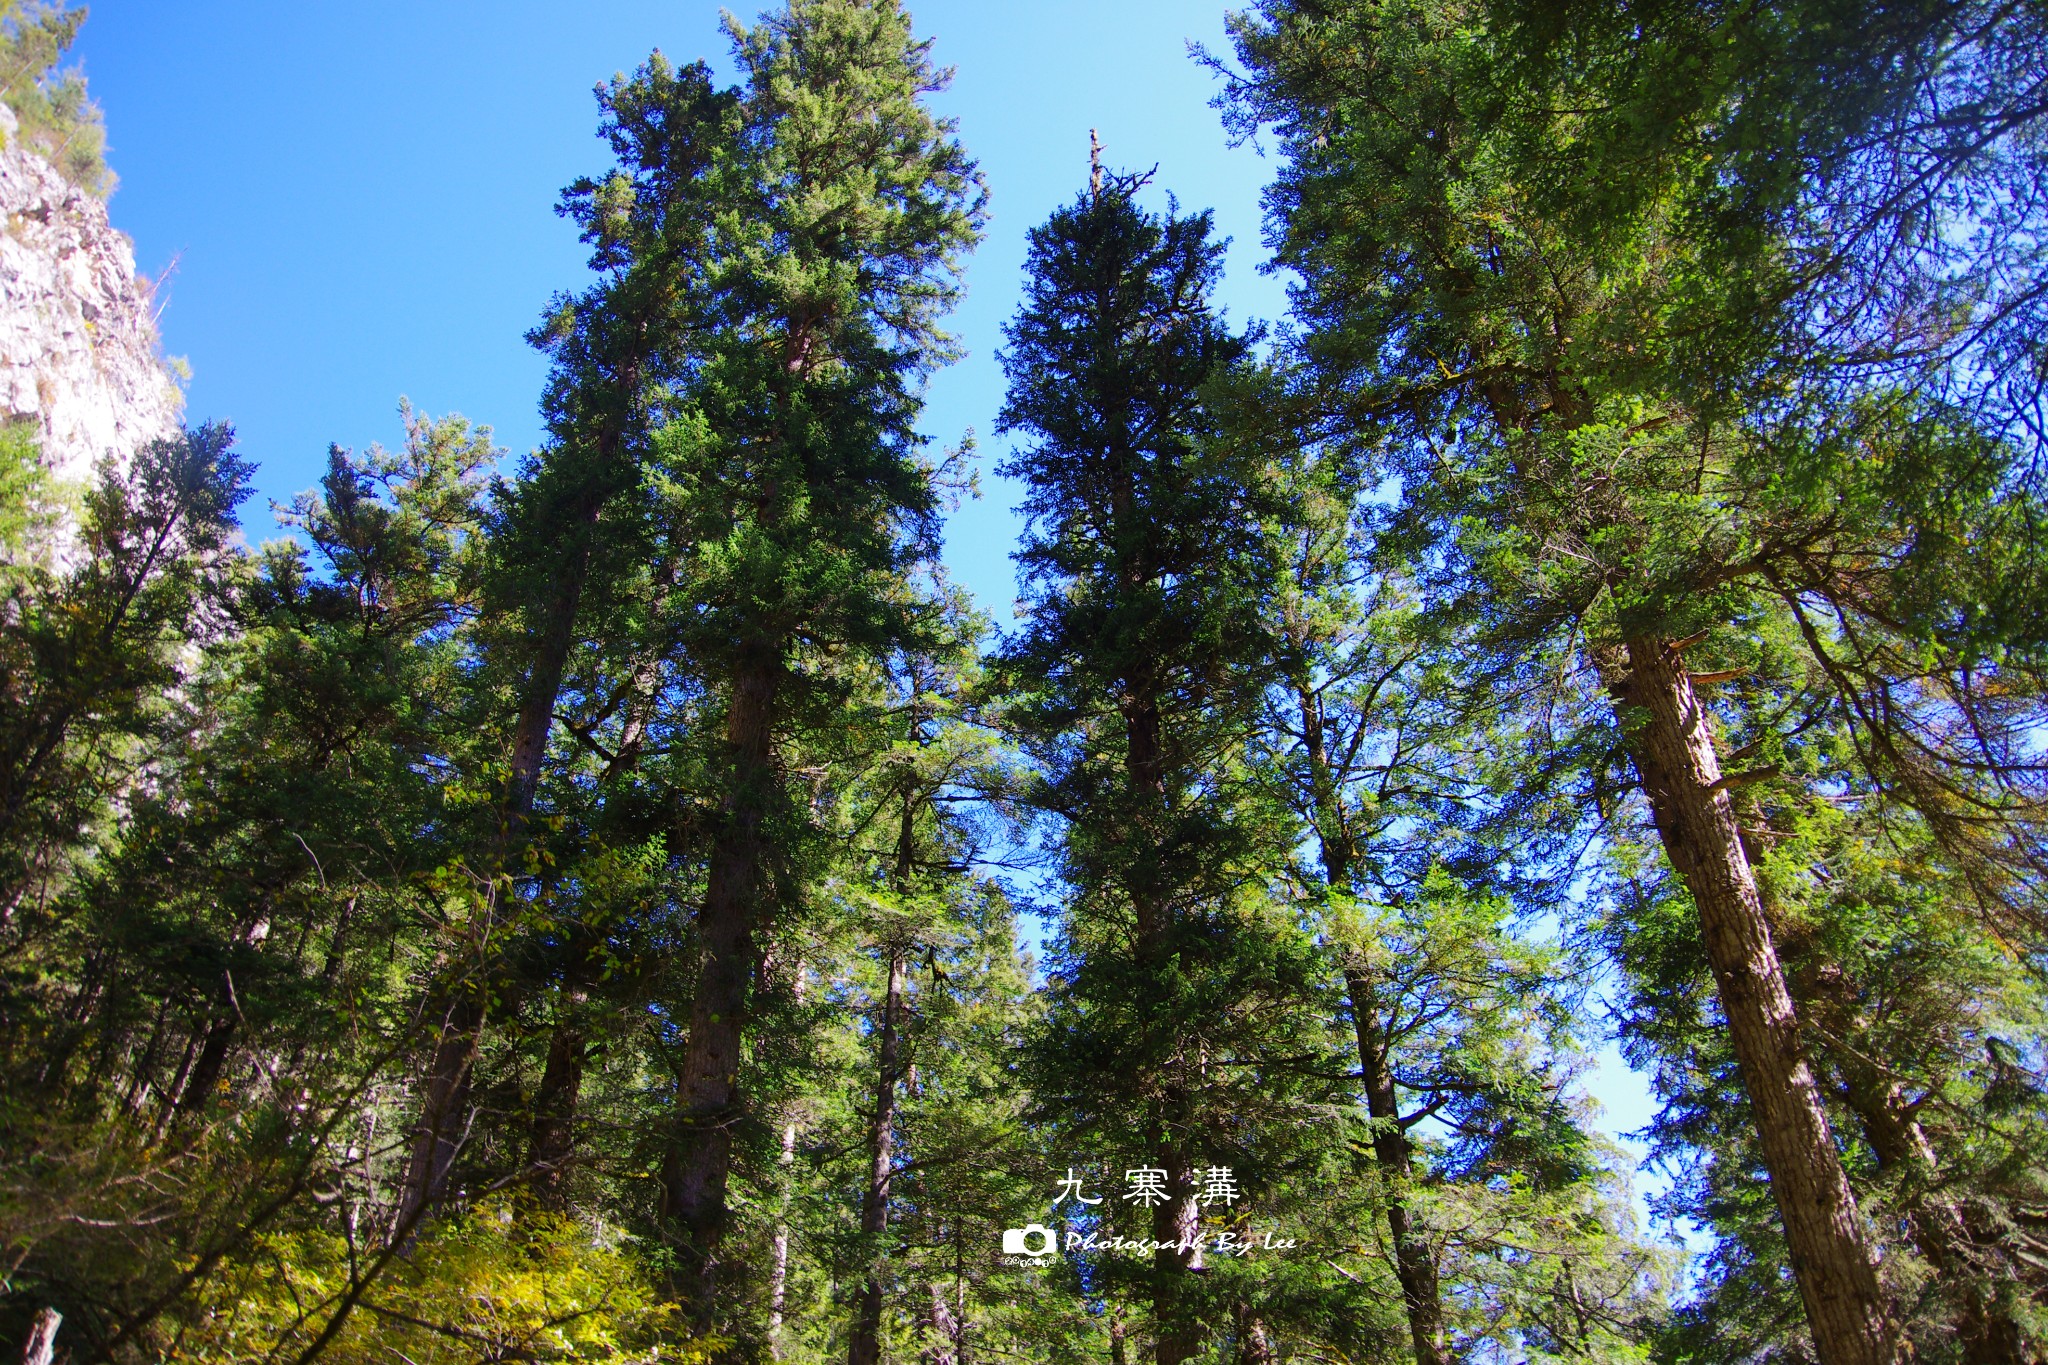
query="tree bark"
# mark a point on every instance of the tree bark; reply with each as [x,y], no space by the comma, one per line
[41,1347]
[778,1271]
[1414,1267]
[1177,1219]
[553,1142]
[444,1109]
[1672,746]
[1254,1344]
[865,1347]
[699,1162]
[940,1329]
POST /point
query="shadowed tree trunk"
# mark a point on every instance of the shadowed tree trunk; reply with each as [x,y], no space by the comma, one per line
[552,1145]
[1826,998]
[445,1107]
[865,1347]
[1254,1344]
[444,1112]
[699,1161]
[1176,1220]
[204,1078]
[1414,1267]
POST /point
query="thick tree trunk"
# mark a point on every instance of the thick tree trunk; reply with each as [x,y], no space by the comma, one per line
[1414,1267]
[865,1347]
[700,1160]
[1671,743]
[1937,1227]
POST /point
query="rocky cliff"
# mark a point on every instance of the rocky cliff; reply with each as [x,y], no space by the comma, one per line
[78,341]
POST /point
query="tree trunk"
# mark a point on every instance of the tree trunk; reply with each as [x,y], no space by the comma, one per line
[1414,1267]
[455,1053]
[778,1271]
[1254,1345]
[700,1160]
[1176,1219]
[444,1109]
[1671,743]
[940,1329]
[220,1034]
[41,1347]
[445,1112]
[865,1348]
[553,1141]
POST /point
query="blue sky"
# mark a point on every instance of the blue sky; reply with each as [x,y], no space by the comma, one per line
[355,203]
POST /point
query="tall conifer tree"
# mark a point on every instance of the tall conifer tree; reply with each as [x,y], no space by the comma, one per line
[791,479]
[1593,513]
[1139,675]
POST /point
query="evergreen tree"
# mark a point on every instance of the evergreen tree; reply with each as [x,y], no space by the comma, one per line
[575,515]
[789,468]
[1458,1024]
[54,117]
[1177,1036]
[1595,517]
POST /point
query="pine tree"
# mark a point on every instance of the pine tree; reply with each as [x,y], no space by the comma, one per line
[54,117]
[574,514]
[1178,981]
[789,470]
[1392,769]
[1567,492]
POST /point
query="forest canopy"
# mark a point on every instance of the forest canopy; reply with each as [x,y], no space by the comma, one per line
[576,906]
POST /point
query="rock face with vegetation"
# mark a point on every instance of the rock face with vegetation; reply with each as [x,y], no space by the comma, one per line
[78,340]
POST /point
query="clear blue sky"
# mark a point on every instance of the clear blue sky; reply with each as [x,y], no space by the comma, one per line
[359,202]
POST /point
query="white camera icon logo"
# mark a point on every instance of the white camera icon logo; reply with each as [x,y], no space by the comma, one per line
[1017,1241]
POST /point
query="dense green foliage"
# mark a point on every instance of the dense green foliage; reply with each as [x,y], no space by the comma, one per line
[570,909]
[53,116]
